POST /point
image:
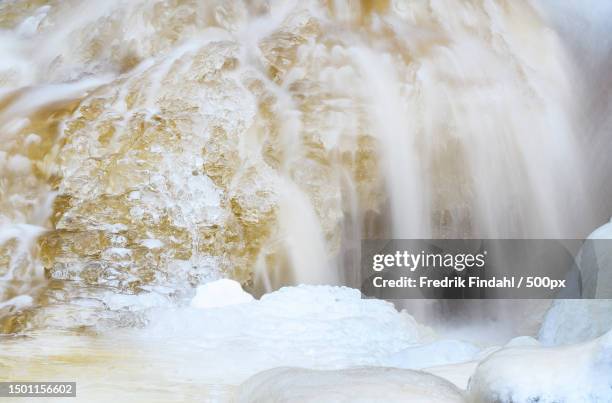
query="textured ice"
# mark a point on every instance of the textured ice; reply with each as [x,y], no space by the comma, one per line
[579,373]
[306,326]
[358,385]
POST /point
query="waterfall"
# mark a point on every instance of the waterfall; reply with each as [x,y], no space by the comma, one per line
[149,147]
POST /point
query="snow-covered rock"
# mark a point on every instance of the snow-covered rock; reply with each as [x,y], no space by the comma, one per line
[595,263]
[574,321]
[370,384]
[319,327]
[224,292]
[579,373]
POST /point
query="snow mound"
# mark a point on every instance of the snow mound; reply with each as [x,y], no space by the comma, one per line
[441,352]
[348,385]
[224,292]
[580,373]
[320,327]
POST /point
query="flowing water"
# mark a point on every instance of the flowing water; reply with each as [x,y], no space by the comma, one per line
[151,146]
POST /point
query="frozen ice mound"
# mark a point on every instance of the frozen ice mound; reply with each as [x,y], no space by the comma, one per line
[220,293]
[576,373]
[348,385]
[321,327]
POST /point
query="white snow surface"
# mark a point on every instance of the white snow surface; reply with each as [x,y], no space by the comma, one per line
[319,327]
[219,293]
[579,373]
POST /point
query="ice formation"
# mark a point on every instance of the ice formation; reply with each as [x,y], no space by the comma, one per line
[311,326]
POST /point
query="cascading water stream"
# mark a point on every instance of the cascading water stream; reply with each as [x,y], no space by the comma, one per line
[390,117]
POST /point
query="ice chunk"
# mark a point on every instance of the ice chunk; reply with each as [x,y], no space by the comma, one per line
[370,384]
[576,373]
[220,293]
